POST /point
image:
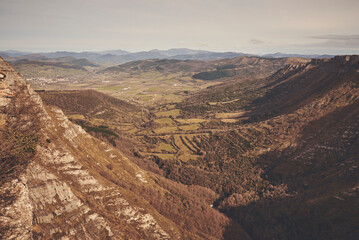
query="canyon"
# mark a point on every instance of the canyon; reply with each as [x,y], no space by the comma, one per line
[260,149]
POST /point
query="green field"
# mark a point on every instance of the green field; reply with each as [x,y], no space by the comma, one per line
[165,114]
[165,121]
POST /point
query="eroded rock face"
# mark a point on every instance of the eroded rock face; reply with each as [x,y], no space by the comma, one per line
[16,211]
[16,218]
[61,189]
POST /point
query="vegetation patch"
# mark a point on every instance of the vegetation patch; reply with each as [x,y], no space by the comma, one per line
[166,130]
[153,89]
[214,75]
[229,120]
[191,120]
[23,144]
[230,114]
[101,130]
[187,157]
[164,147]
[165,156]
[165,121]
[76,116]
[108,88]
[190,127]
[170,113]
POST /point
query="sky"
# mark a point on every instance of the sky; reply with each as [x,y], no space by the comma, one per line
[249,26]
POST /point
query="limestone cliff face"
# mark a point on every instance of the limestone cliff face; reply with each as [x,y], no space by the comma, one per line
[58,182]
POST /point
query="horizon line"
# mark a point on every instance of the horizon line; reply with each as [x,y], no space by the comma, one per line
[154,49]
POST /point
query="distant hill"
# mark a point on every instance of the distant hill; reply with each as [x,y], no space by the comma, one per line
[23,63]
[245,67]
[31,56]
[168,65]
[282,55]
[114,52]
[66,62]
[82,62]
[39,66]
[178,51]
[113,57]
[14,53]
[208,56]
[91,56]
[4,55]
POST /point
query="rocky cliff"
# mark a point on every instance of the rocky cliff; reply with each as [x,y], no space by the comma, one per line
[58,182]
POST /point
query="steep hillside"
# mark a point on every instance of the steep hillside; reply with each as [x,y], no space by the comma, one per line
[317,109]
[246,67]
[91,103]
[295,86]
[243,79]
[101,115]
[289,157]
[59,182]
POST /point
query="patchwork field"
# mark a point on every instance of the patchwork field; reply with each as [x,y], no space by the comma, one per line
[157,108]
[147,82]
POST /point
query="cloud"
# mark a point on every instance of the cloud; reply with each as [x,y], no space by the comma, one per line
[256,41]
[342,41]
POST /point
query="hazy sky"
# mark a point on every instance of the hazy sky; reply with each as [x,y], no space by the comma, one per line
[251,26]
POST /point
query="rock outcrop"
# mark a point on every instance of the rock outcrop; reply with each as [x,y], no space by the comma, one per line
[58,182]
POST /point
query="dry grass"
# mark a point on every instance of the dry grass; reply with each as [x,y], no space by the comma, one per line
[187,157]
[76,116]
[165,156]
[230,114]
[190,127]
[165,121]
[191,120]
[164,147]
[229,120]
[173,113]
[166,130]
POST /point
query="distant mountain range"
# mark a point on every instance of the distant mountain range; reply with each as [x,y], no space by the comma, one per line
[113,57]
[284,55]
